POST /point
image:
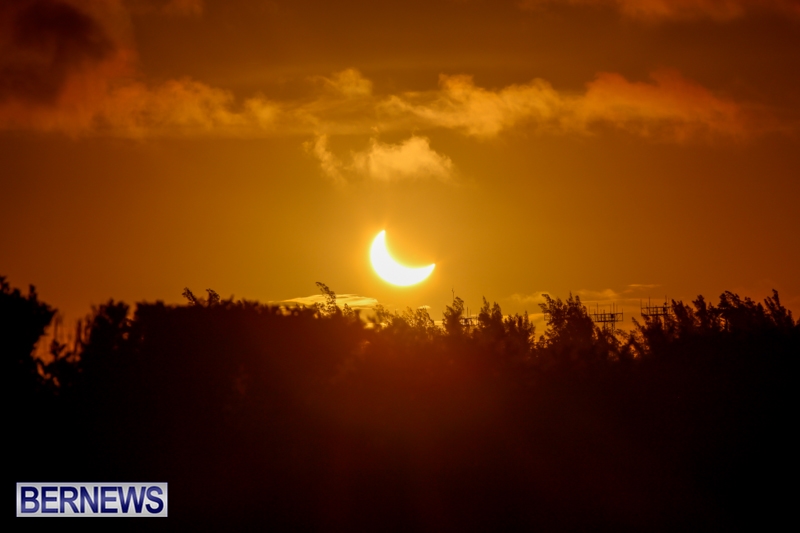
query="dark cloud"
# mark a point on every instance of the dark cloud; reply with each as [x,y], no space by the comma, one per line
[46,42]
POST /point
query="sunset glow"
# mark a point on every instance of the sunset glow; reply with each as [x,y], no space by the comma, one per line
[612,149]
[583,317]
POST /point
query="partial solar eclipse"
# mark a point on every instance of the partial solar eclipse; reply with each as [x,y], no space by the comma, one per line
[392,271]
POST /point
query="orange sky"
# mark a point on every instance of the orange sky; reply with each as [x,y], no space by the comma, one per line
[617,149]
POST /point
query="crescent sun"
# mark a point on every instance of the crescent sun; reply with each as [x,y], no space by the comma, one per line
[392,271]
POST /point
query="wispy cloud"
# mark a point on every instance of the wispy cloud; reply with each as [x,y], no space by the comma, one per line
[349,82]
[669,107]
[719,10]
[534,298]
[354,301]
[330,164]
[602,296]
[181,107]
[410,159]
[71,67]
[459,104]
[630,294]
[642,286]
[605,295]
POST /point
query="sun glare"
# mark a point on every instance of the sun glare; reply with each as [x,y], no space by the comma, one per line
[390,270]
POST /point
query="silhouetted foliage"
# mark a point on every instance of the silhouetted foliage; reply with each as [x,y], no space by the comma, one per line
[519,335]
[705,326]
[329,308]
[417,324]
[23,320]
[572,339]
[308,418]
[509,338]
[490,322]
[213,297]
[451,318]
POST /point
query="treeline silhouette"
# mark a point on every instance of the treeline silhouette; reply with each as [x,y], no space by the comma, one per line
[313,418]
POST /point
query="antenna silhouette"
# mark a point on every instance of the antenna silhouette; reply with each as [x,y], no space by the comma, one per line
[656,311]
[609,319]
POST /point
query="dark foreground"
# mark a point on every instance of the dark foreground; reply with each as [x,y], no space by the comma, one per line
[308,421]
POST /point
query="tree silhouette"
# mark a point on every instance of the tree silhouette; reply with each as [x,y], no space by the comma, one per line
[508,337]
[451,319]
[490,322]
[519,336]
[571,336]
[213,297]
[23,320]
[329,307]
[263,416]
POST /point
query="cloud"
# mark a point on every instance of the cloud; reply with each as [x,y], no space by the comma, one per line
[590,295]
[47,46]
[641,286]
[349,83]
[671,106]
[459,104]
[409,159]
[533,298]
[70,67]
[412,158]
[668,107]
[606,295]
[631,294]
[181,107]
[354,301]
[719,10]
[331,165]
